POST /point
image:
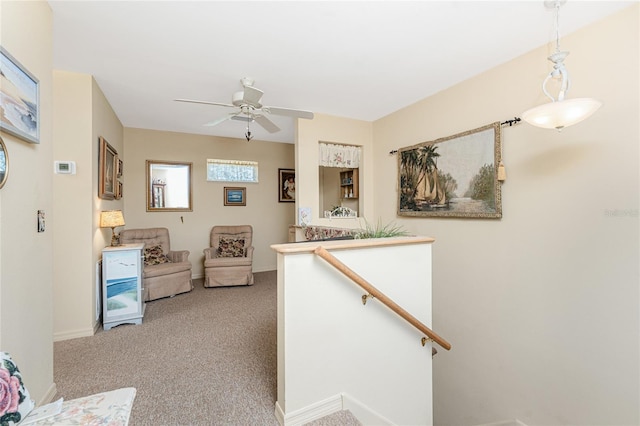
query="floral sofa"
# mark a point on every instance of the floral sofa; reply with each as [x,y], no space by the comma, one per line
[17,407]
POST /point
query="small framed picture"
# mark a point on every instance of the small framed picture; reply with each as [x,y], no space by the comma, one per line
[235,196]
[107,170]
[286,186]
[40,220]
[118,194]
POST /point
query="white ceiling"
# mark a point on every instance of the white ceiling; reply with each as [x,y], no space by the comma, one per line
[356,59]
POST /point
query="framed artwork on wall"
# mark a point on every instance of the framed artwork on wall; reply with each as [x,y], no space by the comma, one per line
[286,186]
[107,181]
[454,176]
[19,100]
[235,196]
[4,163]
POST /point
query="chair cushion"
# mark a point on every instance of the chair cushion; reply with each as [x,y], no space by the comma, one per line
[165,269]
[154,255]
[230,247]
[218,262]
[15,401]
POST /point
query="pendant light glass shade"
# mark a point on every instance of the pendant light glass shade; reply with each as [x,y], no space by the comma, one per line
[560,112]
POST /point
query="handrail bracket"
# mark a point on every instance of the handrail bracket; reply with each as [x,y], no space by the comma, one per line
[365,297]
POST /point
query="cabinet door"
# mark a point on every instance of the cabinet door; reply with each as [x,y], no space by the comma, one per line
[121,284]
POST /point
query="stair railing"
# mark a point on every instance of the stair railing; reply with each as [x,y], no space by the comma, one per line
[373,292]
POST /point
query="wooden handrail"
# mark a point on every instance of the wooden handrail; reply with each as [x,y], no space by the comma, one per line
[331,259]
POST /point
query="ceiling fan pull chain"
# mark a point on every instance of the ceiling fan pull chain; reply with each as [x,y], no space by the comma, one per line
[248,134]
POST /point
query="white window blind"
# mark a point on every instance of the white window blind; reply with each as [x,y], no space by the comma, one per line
[232,171]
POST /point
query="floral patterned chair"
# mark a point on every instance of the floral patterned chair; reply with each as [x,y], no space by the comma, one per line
[229,259]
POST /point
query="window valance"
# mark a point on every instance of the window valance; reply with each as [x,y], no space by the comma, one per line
[334,155]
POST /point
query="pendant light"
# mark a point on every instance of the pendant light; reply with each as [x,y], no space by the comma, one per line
[560,112]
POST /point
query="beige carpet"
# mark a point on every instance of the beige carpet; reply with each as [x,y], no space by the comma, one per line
[207,357]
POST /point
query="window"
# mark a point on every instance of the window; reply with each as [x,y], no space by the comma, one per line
[232,171]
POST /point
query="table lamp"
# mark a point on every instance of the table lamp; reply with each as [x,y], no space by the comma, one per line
[112,219]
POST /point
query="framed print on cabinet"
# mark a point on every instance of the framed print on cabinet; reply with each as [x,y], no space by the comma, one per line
[235,196]
[107,171]
[19,99]
[286,186]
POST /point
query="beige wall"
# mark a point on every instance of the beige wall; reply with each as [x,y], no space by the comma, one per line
[190,230]
[541,306]
[26,267]
[73,226]
[330,129]
[81,116]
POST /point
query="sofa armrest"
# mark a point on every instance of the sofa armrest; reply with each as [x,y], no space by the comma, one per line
[178,255]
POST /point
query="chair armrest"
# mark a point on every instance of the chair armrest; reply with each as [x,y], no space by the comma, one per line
[178,255]
[250,252]
[209,253]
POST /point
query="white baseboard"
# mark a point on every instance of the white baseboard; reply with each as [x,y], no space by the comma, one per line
[364,414]
[320,409]
[309,413]
[510,422]
[66,335]
[48,396]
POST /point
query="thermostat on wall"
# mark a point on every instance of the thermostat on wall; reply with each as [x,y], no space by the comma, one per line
[65,167]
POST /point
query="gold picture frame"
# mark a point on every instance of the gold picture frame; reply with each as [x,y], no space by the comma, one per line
[455,176]
[107,182]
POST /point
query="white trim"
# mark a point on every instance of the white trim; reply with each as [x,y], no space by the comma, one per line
[49,395]
[311,412]
[85,332]
[334,404]
[364,414]
[510,422]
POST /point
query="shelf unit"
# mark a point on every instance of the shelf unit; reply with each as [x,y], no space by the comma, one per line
[122,292]
[349,184]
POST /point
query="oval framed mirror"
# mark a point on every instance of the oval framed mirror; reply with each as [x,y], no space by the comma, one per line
[4,163]
[169,186]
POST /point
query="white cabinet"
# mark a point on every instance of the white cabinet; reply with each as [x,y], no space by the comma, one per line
[122,293]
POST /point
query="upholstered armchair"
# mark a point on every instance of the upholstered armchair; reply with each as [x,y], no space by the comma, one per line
[229,259]
[165,272]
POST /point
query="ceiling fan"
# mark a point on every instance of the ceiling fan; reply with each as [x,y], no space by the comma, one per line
[248,108]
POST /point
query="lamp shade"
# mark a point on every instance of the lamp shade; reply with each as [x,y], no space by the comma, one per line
[561,114]
[111,219]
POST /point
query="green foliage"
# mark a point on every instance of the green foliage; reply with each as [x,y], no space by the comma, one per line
[481,187]
[379,231]
[449,184]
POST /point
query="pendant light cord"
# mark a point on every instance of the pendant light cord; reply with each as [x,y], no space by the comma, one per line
[557,26]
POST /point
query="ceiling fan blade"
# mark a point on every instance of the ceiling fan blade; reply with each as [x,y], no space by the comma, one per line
[298,113]
[219,120]
[268,125]
[242,118]
[204,102]
[252,96]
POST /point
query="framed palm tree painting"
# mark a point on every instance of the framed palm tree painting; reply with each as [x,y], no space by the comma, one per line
[454,176]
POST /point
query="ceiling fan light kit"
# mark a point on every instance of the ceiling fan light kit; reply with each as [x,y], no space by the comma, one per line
[560,112]
[249,108]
